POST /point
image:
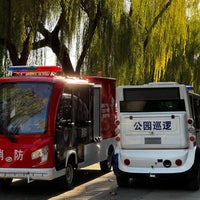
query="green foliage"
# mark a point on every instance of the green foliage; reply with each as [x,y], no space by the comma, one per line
[20,16]
[193,43]
[135,41]
[136,46]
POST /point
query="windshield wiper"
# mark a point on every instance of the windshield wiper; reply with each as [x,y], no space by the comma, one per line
[10,136]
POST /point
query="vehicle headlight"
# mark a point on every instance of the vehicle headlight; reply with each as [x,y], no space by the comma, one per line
[41,153]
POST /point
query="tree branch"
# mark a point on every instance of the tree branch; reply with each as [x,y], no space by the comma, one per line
[26,50]
[13,52]
[156,19]
[93,23]
[51,39]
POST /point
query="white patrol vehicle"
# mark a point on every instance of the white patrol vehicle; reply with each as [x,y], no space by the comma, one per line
[159,133]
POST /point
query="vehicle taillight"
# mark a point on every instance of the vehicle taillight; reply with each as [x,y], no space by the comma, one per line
[127,162]
[178,162]
[192,138]
[117,139]
[117,122]
[190,121]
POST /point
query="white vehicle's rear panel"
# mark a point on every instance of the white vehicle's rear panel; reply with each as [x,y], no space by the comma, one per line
[153,130]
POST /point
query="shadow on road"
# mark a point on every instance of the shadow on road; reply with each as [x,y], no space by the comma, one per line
[159,184]
[20,189]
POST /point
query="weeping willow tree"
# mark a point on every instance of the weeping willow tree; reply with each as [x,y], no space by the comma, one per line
[183,67]
[140,41]
[111,42]
[168,32]
[32,25]
[59,31]
[135,41]
[193,43]
[18,28]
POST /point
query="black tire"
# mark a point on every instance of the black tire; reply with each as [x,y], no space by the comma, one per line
[106,165]
[5,183]
[123,181]
[193,183]
[67,181]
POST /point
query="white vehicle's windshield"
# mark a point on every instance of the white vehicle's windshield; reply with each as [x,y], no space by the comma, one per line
[24,107]
[152,100]
[152,106]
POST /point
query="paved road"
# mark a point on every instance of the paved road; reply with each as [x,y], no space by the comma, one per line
[93,185]
[105,188]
